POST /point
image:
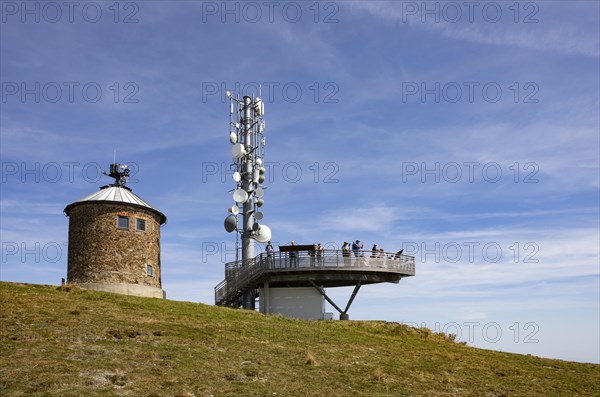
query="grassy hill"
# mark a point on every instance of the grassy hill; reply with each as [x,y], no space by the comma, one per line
[84,343]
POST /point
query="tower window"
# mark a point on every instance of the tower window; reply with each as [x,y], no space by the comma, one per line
[140,225]
[122,222]
[149,270]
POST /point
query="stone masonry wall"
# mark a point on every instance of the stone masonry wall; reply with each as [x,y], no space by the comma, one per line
[100,252]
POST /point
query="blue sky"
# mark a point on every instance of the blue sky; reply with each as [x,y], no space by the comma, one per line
[468,136]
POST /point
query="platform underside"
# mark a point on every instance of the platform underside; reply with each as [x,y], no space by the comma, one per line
[327,278]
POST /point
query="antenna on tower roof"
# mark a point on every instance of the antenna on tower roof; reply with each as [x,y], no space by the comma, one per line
[117,171]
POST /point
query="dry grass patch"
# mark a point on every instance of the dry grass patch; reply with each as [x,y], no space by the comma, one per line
[310,359]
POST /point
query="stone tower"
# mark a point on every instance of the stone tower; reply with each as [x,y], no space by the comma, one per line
[114,241]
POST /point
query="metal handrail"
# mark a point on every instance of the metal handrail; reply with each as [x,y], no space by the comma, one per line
[240,274]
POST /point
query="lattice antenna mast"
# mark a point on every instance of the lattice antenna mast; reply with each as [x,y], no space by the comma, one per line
[246,134]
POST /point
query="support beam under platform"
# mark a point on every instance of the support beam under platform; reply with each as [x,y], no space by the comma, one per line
[343,314]
[354,292]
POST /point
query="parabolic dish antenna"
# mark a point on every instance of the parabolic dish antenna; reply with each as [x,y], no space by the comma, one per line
[237,176]
[240,195]
[234,209]
[238,150]
[230,223]
[259,192]
[258,215]
[264,234]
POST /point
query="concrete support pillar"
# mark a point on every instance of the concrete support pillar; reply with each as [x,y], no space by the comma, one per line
[344,316]
[265,302]
[248,300]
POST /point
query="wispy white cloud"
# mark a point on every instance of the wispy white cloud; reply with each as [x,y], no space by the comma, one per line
[547,33]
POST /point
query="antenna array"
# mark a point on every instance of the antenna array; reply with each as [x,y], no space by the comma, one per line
[119,172]
[246,135]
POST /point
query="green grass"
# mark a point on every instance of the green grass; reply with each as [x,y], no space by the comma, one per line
[85,343]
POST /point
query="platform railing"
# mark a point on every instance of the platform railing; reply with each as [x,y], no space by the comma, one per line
[239,274]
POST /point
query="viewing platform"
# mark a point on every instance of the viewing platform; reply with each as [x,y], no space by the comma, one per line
[309,268]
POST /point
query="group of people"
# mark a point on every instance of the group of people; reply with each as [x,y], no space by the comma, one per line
[357,248]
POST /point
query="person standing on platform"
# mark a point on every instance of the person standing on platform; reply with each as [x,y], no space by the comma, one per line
[374,251]
[319,255]
[293,256]
[269,249]
[355,248]
[346,253]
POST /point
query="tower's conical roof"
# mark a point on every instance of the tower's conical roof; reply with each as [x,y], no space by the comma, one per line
[116,194]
